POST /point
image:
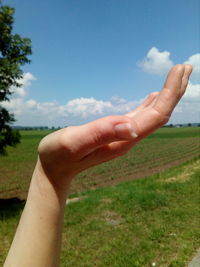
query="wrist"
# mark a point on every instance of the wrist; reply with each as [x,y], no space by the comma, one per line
[50,186]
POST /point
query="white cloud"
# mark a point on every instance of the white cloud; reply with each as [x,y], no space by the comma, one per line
[25,82]
[188,110]
[76,110]
[31,112]
[194,60]
[87,106]
[192,92]
[20,91]
[156,62]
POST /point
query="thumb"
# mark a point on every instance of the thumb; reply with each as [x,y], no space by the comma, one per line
[82,140]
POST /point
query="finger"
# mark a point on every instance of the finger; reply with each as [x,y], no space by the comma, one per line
[147,102]
[171,92]
[185,79]
[174,77]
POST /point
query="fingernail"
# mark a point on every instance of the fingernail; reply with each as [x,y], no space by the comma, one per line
[125,130]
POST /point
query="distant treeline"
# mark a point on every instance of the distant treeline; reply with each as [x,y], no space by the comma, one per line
[36,128]
[41,128]
[181,125]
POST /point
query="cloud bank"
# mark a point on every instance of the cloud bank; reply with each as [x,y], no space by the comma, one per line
[194,60]
[29,112]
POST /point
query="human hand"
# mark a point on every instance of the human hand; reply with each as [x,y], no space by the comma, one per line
[68,151]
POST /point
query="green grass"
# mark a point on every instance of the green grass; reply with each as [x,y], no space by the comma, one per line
[136,223]
[131,224]
[17,167]
[163,149]
[174,132]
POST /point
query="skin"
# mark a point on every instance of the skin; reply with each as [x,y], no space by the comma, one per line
[65,153]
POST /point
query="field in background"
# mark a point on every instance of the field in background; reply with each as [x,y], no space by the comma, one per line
[165,148]
[146,222]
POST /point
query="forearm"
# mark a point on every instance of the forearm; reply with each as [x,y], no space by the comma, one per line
[38,237]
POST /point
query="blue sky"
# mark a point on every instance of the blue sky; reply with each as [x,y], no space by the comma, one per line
[93,58]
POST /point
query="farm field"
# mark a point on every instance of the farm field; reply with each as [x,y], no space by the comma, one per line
[165,148]
[141,223]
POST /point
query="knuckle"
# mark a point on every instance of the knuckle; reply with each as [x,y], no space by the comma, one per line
[65,141]
[99,138]
[122,149]
[165,120]
[160,117]
[63,136]
[178,68]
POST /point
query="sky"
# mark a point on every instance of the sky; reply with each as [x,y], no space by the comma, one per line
[96,58]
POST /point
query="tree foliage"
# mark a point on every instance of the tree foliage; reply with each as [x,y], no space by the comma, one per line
[14,51]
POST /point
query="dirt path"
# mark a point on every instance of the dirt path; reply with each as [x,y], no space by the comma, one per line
[195,261]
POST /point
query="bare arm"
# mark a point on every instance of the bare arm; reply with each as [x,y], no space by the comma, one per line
[67,152]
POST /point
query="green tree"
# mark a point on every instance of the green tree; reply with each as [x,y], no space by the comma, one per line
[14,51]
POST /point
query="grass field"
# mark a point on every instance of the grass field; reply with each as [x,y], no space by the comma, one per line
[165,148]
[141,223]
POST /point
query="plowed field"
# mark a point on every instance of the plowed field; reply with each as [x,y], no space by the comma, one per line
[165,148]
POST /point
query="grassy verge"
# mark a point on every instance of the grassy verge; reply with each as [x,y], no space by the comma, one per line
[147,222]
